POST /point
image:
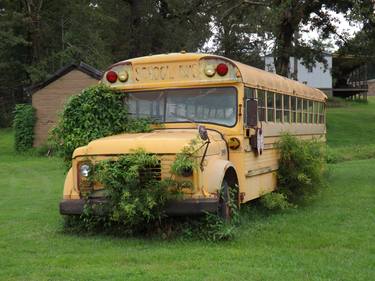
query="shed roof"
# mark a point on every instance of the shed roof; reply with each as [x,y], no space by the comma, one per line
[85,68]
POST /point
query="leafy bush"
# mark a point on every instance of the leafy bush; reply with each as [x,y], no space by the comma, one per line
[275,201]
[185,160]
[301,167]
[96,112]
[23,123]
[135,197]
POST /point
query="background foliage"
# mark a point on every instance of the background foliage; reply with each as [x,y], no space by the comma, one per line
[96,112]
[23,123]
[38,37]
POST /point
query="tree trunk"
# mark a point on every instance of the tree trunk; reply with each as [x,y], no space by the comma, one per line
[283,43]
[33,13]
[135,23]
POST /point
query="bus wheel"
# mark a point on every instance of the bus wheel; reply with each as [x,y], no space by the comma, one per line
[224,209]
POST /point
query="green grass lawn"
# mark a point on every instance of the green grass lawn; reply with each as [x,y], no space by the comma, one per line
[352,125]
[331,238]
[351,131]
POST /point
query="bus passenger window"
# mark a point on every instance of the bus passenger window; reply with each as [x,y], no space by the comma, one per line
[270,107]
[304,111]
[249,93]
[261,105]
[311,111]
[293,105]
[322,111]
[299,110]
[279,107]
[286,108]
[315,117]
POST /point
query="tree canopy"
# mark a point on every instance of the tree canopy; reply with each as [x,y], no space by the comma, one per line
[38,37]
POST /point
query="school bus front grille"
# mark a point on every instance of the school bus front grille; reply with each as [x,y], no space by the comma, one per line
[151,172]
[158,172]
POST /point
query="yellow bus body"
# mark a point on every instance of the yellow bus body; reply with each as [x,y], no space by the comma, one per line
[253,173]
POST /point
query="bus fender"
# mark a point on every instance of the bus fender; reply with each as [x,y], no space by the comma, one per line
[215,172]
[69,191]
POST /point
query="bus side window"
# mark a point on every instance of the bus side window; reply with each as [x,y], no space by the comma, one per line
[286,108]
[293,105]
[261,105]
[249,93]
[279,107]
[270,107]
[311,111]
[322,113]
[304,113]
[315,112]
[299,110]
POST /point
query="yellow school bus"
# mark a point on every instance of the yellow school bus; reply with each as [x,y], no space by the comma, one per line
[238,111]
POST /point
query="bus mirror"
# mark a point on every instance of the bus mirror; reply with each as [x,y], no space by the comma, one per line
[203,132]
[251,113]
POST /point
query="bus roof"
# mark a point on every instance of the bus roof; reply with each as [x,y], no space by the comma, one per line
[250,76]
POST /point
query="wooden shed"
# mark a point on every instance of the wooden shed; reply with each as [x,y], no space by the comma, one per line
[48,97]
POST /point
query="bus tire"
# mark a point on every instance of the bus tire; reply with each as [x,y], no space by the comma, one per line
[225,211]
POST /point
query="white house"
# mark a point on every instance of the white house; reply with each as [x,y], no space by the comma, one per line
[318,76]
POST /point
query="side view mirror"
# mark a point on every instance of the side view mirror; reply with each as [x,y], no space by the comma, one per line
[203,132]
[251,113]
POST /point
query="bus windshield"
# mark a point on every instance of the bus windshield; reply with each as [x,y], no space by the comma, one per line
[205,105]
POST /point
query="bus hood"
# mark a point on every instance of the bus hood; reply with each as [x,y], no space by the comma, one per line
[164,141]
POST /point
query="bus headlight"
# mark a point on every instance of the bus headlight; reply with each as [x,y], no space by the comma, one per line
[84,170]
[187,172]
[209,70]
[123,76]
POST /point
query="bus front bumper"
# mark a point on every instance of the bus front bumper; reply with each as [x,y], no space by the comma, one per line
[173,208]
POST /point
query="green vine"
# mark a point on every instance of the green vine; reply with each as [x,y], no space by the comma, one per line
[186,159]
[23,124]
[95,113]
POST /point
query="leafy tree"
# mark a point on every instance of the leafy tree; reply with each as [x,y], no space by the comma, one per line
[239,32]
[244,22]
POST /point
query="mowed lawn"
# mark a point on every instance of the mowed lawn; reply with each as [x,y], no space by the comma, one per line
[331,238]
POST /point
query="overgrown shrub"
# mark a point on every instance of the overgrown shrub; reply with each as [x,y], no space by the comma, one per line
[275,201]
[96,112]
[135,198]
[185,160]
[301,167]
[23,124]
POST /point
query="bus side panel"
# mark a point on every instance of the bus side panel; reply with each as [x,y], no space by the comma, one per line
[260,173]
